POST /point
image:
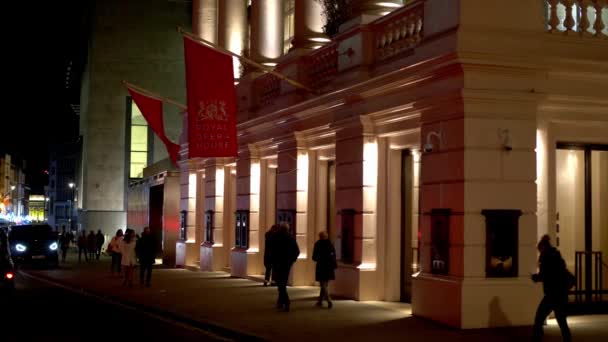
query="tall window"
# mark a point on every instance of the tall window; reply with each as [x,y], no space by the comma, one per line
[288,24]
[138,143]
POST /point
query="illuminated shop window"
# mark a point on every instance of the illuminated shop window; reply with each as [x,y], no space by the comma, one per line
[138,151]
[288,24]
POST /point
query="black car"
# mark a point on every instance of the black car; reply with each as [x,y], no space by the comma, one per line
[7,270]
[34,244]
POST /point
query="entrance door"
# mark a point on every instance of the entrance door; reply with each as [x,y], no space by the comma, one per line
[156,217]
[408,218]
[582,215]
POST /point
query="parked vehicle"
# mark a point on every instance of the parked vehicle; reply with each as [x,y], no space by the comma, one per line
[7,269]
[34,244]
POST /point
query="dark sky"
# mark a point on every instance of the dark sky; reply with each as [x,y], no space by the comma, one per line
[43,37]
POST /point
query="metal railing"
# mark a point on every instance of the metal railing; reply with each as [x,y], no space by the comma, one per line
[588,269]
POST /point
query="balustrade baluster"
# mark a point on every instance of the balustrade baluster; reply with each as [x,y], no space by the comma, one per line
[599,23]
[553,19]
[584,23]
[569,21]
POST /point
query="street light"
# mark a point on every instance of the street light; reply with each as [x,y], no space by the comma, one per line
[71,185]
[13,199]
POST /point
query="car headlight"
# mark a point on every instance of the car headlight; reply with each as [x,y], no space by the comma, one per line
[53,246]
[20,248]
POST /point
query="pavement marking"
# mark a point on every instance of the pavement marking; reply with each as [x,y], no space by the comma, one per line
[105,300]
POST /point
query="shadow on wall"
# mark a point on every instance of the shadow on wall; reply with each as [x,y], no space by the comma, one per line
[496,316]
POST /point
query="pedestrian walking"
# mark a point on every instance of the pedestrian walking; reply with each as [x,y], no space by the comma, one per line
[285,252]
[64,241]
[114,250]
[82,247]
[99,241]
[557,280]
[128,257]
[146,252]
[268,238]
[324,254]
[91,245]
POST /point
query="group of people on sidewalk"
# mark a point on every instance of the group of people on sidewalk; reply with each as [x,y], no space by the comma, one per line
[126,249]
[282,251]
[88,245]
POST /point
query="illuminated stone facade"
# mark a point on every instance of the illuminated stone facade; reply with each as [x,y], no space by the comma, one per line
[439,107]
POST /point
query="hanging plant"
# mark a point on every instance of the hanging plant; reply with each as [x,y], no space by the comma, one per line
[336,13]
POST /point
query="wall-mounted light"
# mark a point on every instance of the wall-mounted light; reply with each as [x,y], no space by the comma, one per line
[428,147]
[505,137]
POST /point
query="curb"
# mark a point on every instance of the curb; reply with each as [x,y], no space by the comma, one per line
[209,327]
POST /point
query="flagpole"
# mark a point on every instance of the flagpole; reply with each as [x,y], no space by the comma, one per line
[244,59]
[151,94]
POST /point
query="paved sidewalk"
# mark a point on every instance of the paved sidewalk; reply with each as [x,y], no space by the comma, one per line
[247,307]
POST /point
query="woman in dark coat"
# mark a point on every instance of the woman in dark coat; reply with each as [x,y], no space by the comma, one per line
[268,238]
[285,252]
[325,256]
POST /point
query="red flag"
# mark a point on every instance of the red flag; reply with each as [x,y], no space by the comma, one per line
[211,102]
[152,110]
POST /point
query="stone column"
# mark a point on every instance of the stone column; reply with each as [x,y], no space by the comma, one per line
[232,29]
[266,31]
[365,11]
[309,21]
[204,19]
[374,7]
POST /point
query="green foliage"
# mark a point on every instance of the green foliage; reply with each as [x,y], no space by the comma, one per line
[336,13]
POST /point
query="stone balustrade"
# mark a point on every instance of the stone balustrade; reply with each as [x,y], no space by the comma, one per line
[322,66]
[399,31]
[583,17]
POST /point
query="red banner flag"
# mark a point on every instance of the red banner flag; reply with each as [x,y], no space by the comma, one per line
[152,110]
[211,102]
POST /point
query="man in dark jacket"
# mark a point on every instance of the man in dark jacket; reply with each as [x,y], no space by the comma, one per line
[325,256]
[99,240]
[285,252]
[554,276]
[146,252]
[268,241]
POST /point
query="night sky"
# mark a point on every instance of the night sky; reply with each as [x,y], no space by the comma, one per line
[36,111]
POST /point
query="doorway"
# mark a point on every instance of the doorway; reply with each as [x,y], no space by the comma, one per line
[582,215]
[156,217]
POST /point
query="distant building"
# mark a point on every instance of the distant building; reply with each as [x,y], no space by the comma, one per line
[12,186]
[36,208]
[117,144]
[62,191]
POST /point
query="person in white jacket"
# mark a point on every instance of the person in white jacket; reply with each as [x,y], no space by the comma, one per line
[129,257]
[114,250]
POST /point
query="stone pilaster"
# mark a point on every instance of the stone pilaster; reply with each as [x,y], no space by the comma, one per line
[356,191]
[470,170]
[214,254]
[248,261]
[293,175]
[187,252]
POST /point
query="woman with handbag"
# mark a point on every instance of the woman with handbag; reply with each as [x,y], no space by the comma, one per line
[325,256]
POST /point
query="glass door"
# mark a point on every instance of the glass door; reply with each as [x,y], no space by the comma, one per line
[582,215]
